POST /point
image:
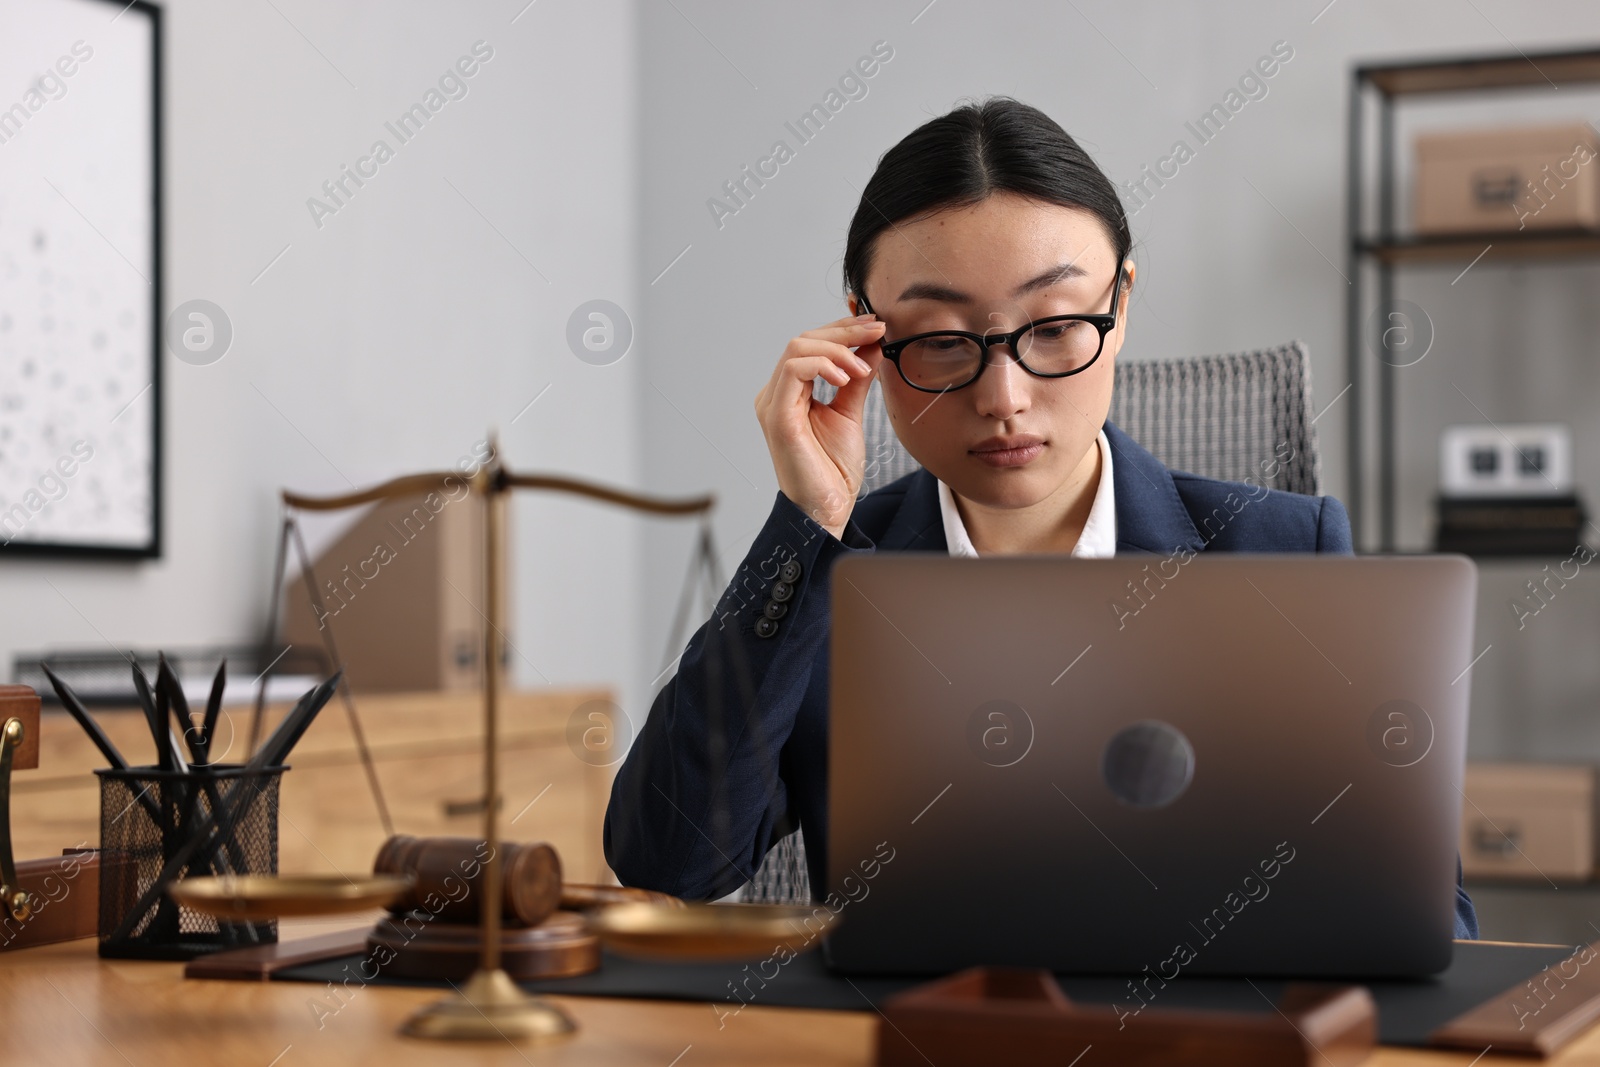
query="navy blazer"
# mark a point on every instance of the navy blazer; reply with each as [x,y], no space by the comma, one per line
[759,668]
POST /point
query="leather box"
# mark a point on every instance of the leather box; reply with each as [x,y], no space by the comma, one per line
[65,891]
[1531,177]
[1529,821]
[21,702]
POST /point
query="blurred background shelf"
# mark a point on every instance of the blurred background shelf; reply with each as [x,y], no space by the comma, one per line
[1468,73]
[1493,246]
[428,751]
[102,678]
[1376,246]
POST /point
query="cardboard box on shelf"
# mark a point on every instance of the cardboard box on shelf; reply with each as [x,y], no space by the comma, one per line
[402,590]
[1517,178]
[1529,821]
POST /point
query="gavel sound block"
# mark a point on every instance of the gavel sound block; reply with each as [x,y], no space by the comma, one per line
[434,931]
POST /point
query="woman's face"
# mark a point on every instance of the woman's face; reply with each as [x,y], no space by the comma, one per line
[988,268]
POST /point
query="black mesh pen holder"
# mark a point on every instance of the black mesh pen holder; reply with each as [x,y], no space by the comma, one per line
[158,827]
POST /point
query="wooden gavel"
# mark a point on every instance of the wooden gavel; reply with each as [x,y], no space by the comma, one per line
[447,873]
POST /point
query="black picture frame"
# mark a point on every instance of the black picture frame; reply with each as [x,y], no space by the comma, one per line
[152,548]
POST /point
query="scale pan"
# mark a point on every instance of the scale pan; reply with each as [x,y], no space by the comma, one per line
[710,931]
[252,897]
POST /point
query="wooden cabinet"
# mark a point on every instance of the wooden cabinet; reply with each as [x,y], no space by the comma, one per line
[1529,822]
[428,751]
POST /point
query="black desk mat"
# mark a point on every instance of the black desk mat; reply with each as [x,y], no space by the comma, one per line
[1407,1010]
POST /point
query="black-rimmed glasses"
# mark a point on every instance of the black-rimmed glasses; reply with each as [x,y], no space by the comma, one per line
[1052,347]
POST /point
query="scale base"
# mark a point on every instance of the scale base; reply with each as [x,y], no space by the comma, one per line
[490,1007]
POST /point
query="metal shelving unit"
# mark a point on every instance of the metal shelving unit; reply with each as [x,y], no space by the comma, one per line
[1384,251]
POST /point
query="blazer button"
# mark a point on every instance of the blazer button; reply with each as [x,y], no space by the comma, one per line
[775,610]
[782,592]
[790,571]
[765,627]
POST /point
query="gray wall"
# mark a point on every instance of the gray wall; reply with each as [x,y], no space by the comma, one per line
[1234,251]
[391,338]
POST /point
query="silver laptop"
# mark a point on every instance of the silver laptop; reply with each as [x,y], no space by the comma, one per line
[1241,764]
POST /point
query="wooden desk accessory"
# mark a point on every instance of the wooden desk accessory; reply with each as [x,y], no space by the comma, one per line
[1021,1018]
[64,894]
[19,750]
[433,930]
[1535,1017]
[42,900]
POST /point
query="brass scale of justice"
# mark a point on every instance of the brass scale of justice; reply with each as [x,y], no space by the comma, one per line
[490,1005]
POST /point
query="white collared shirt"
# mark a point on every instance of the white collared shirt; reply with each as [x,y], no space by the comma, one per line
[1097,541]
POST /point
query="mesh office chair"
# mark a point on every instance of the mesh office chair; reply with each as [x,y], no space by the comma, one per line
[1216,416]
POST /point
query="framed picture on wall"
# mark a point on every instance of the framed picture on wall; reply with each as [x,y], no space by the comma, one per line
[80,278]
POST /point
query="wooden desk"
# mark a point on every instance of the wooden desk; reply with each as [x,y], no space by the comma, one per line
[63,1004]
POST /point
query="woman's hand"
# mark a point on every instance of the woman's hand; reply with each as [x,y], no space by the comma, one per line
[818,450]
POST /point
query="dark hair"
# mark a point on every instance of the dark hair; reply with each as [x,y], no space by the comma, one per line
[1000,145]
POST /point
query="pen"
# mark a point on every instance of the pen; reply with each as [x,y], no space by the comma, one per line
[155,719]
[168,682]
[208,728]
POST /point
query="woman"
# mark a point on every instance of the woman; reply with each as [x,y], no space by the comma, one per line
[990,221]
